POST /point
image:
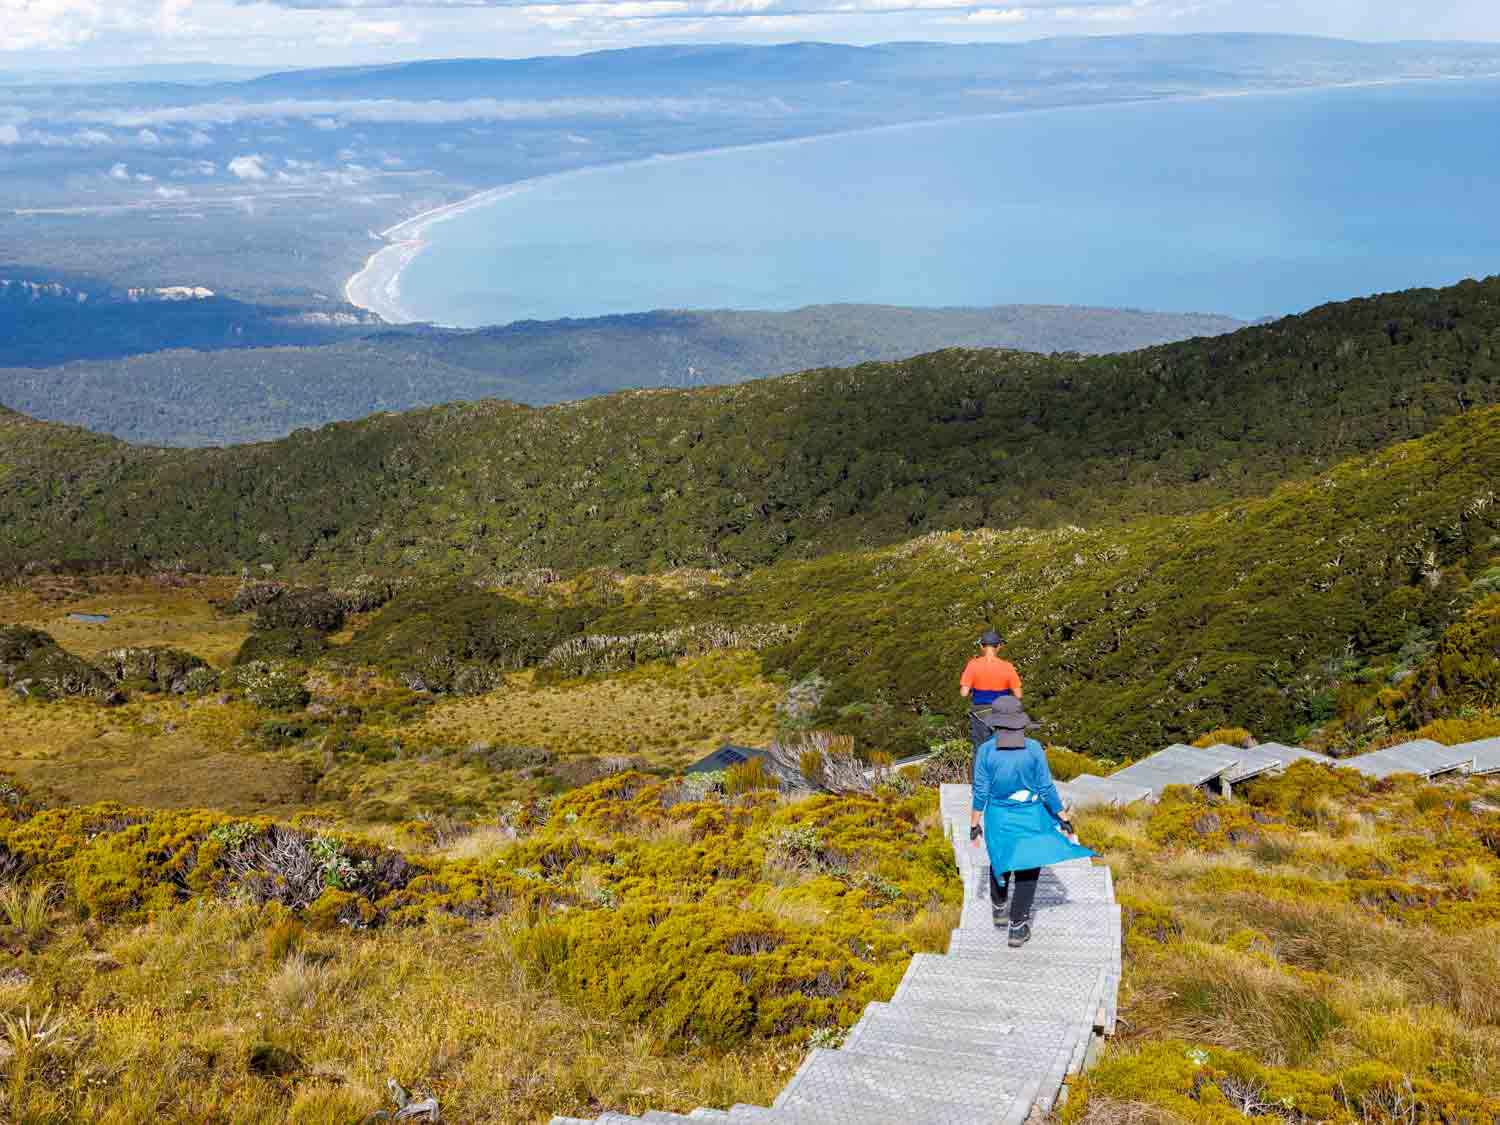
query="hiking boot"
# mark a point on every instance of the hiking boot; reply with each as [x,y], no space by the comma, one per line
[1020,934]
[998,905]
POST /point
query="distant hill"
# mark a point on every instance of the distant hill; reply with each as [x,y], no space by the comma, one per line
[1207,61]
[797,466]
[235,391]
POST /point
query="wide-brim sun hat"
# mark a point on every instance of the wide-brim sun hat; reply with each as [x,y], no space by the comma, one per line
[1009,722]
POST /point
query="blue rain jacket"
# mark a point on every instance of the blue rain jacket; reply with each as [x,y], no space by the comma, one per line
[1021,807]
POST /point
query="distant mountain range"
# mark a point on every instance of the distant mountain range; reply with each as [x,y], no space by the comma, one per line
[216,371]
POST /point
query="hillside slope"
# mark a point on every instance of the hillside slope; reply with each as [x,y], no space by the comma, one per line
[788,467]
[1135,636]
[240,388]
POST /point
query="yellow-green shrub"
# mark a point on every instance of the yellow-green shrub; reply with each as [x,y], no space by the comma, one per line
[1223,736]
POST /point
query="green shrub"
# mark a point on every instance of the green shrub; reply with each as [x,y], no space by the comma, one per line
[1464,670]
[296,645]
[367,592]
[316,611]
[254,595]
[155,668]
[33,665]
[200,681]
[952,763]
[271,687]
[458,640]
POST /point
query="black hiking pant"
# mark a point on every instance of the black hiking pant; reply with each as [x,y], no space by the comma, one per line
[1022,890]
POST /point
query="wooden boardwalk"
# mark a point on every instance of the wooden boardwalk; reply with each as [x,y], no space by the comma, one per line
[1223,767]
[980,1035]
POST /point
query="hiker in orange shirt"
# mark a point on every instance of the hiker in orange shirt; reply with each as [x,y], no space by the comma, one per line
[986,678]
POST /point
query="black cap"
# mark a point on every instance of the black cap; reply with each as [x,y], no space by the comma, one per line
[992,638]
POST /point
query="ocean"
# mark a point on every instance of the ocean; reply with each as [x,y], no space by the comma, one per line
[1253,206]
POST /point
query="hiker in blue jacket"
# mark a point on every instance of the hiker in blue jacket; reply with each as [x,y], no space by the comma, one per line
[1019,816]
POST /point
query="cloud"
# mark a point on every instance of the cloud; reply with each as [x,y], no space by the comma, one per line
[395,110]
[119,172]
[170,193]
[147,137]
[286,34]
[9,135]
[248,168]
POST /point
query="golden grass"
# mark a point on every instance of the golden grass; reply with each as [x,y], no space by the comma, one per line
[663,714]
[164,754]
[141,611]
[1311,979]
[177,1007]
[172,752]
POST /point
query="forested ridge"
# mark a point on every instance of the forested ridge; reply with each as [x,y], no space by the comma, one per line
[780,468]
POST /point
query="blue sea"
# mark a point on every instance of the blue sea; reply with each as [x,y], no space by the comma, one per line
[1254,206]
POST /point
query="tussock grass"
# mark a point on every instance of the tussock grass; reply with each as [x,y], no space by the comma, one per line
[189,996]
[141,611]
[1344,953]
[28,910]
[665,714]
[1205,993]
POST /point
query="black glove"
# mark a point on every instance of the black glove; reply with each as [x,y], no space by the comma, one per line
[975,832]
[1067,826]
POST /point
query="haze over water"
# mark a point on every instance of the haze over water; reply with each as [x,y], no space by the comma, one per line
[1252,206]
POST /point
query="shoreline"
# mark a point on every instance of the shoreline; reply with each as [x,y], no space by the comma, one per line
[376,287]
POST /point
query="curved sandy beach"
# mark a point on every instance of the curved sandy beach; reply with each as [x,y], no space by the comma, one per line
[377,286]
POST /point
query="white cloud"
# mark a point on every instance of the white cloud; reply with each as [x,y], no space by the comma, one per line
[170,193]
[996,15]
[292,33]
[144,178]
[147,137]
[119,172]
[248,168]
[9,135]
[388,110]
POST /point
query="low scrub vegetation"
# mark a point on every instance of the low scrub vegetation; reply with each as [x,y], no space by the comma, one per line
[693,932]
[1327,949]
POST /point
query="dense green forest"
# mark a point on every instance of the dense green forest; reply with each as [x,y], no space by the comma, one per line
[215,372]
[792,467]
[1254,613]
[1355,598]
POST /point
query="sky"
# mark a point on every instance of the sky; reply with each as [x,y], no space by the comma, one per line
[50,34]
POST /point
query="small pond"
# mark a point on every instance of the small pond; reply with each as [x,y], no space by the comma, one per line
[88,617]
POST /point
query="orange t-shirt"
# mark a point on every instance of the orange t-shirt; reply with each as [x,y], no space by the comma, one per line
[991,677]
